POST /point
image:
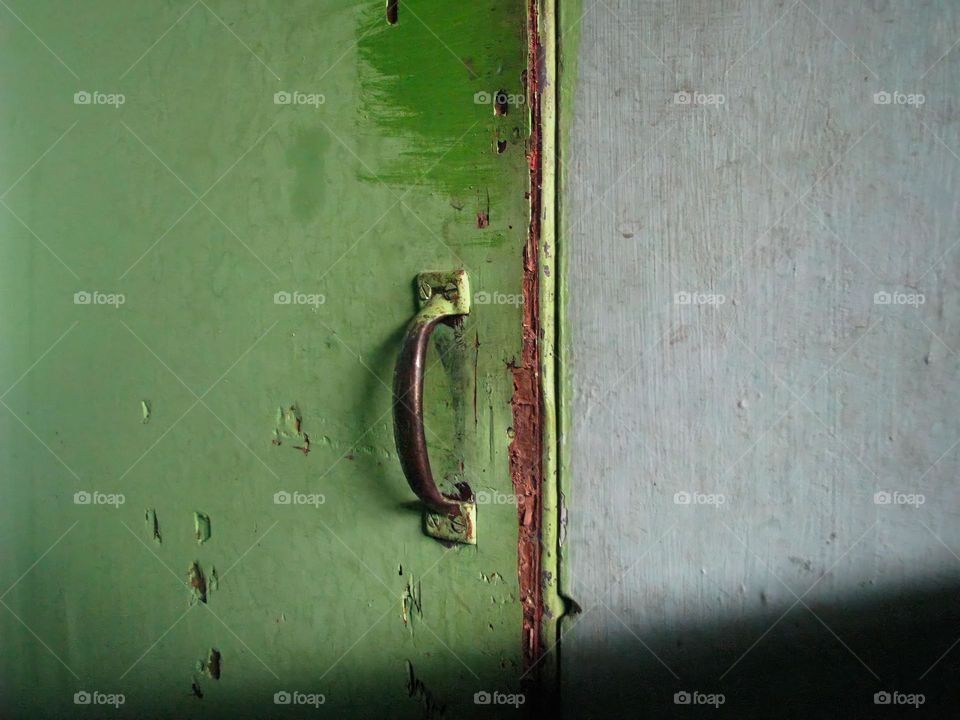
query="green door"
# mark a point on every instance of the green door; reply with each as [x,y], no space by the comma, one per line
[213,217]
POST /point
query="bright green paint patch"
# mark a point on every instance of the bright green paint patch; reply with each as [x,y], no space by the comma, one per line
[433,94]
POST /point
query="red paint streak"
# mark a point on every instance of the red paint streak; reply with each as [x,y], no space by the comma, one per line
[526,449]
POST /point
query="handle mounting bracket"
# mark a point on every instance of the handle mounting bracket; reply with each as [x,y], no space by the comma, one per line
[443,297]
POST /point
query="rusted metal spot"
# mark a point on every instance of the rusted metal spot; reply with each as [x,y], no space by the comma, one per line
[526,448]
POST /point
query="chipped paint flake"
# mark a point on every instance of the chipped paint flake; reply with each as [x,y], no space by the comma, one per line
[411,603]
[197,583]
[153,525]
[213,664]
[288,429]
[201,527]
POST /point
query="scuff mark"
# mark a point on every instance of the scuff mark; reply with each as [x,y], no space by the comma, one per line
[417,690]
[196,690]
[288,429]
[153,525]
[144,411]
[213,583]
[197,582]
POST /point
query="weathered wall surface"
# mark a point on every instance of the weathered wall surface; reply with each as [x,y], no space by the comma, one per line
[762,254]
[342,202]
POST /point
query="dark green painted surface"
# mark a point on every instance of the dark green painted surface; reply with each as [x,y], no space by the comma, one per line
[198,199]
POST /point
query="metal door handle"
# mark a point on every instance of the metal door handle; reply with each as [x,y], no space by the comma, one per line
[443,296]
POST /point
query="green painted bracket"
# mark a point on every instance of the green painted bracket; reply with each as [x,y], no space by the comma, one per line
[443,293]
[459,529]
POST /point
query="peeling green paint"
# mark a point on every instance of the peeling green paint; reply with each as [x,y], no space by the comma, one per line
[291,203]
[201,527]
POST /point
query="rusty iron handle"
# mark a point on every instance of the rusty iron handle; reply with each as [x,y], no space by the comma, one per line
[438,303]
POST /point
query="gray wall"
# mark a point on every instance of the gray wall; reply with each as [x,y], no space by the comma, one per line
[797,399]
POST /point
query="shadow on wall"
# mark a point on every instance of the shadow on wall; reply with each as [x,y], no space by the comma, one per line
[798,669]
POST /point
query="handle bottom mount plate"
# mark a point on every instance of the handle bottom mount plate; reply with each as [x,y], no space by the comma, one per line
[460,529]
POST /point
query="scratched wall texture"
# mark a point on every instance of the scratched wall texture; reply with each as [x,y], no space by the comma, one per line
[724,533]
